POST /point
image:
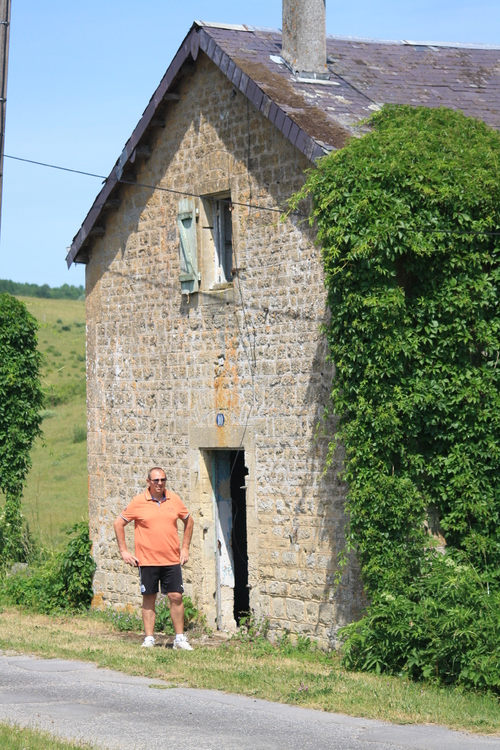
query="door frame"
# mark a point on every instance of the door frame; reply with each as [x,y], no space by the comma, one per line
[203,584]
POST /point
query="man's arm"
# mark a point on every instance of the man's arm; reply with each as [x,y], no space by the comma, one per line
[119,527]
[186,540]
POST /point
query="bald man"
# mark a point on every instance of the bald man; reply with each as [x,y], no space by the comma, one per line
[158,553]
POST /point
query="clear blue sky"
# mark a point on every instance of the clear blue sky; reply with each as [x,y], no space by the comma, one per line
[81,74]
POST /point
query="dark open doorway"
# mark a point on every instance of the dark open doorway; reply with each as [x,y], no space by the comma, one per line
[228,472]
[239,534]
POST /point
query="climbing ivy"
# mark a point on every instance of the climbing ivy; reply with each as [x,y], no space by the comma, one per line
[408,217]
[21,400]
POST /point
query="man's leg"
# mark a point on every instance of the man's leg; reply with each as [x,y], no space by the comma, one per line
[176,612]
[149,613]
[172,585]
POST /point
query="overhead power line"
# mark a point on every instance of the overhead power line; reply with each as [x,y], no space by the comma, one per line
[232,202]
[54,166]
[145,185]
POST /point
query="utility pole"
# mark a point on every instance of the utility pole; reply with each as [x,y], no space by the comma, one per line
[4,60]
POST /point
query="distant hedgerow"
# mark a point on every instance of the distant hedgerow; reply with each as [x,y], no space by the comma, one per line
[66,291]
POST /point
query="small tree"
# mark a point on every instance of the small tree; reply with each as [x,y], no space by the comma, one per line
[21,399]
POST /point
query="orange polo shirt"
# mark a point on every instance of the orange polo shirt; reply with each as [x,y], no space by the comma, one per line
[156,536]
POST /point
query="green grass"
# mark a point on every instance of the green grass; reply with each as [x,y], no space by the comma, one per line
[18,738]
[55,495]
[308,678]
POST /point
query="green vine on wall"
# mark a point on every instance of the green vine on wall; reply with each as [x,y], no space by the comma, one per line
[21,400]
[406,217]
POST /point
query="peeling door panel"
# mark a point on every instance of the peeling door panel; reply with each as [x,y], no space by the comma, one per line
[224,518]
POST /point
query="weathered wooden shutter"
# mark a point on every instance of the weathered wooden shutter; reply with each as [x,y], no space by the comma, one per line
[186,219]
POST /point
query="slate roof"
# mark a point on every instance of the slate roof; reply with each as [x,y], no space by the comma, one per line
[318,116]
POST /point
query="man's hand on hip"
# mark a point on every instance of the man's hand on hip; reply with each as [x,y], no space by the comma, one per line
[184,556]
[129,558]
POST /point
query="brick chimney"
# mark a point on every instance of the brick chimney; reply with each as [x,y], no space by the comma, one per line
[304,37]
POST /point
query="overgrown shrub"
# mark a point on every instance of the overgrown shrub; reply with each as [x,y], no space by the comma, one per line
[409,218]
[445,629]
[78,567]
[62,582]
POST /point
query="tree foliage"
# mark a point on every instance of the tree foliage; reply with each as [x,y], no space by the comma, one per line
[21,400]
[407,217]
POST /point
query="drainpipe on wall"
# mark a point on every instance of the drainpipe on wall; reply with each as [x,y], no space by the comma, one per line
[304,38]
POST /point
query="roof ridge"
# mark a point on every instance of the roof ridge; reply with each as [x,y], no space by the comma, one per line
[237,27]
[228,26]
[412,43]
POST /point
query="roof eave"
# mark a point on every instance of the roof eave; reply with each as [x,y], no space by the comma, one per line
[196,39]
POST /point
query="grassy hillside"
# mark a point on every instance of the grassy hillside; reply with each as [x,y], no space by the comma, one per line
[55,495]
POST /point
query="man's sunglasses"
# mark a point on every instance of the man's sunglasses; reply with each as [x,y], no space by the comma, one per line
[158,481]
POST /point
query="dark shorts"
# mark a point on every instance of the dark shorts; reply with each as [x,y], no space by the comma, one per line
[169,576]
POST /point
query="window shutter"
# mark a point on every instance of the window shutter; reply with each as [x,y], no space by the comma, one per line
[186,219]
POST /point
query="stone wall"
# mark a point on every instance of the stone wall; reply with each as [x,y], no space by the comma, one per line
[161,365]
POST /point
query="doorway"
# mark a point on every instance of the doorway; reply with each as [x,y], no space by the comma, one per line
[229,497]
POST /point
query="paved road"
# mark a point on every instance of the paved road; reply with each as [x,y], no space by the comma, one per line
[79,701]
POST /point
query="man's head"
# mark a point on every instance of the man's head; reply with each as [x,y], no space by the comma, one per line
[156,481]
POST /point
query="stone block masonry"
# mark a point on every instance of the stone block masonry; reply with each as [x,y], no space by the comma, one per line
[161,365]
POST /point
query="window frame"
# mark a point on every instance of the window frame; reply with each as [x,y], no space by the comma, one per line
[223,249]
[216,213]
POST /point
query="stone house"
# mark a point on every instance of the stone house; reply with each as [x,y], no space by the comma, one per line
[204,307]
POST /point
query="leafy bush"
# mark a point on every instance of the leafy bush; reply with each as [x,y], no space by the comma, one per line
[63,581]
[78,567]
[445,629]
[409,218]
[40,588]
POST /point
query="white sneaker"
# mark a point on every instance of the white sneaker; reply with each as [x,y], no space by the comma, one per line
[148,642]
[181,642]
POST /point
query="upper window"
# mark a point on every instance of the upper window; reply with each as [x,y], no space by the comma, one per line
[223,240]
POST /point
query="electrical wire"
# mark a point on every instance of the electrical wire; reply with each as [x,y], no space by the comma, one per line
[123,181]
[231,202]
[54,166]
